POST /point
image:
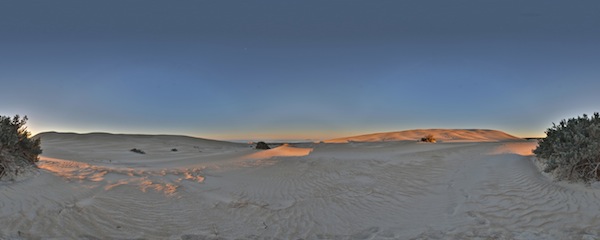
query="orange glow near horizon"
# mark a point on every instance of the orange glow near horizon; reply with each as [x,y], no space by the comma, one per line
[292,135]
[268,135]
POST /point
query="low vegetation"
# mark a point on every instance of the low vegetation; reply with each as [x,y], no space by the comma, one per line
[262,145]
[135,150]
[18,151]
[429,138]
[571,149]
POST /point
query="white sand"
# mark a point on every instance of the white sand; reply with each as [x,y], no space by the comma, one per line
[92,186]
[446,135]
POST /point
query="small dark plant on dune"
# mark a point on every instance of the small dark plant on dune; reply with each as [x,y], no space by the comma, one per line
[429,138]
[571,149]
[135,150]
[262,145]
[18,151]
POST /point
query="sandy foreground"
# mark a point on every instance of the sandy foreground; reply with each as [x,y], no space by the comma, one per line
[92,187]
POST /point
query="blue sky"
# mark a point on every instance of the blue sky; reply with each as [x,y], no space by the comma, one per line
[298,69]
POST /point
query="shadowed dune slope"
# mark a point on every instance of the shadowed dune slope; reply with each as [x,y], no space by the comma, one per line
[131,138]
[103,145]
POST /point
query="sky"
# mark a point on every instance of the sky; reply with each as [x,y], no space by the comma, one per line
[265,70]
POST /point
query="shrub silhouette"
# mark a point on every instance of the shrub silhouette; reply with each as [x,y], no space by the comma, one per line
[17,150]
[571,149]
[135,150]
[429,138]
[262,145]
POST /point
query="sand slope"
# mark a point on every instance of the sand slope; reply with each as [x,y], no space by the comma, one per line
[284,150]
[475,135]
[369,190]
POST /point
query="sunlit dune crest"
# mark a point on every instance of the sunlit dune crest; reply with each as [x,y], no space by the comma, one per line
[516,148]
[281,151]
[71,169]
[456,135]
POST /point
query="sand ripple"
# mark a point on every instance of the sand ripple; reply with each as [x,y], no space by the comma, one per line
[351,191]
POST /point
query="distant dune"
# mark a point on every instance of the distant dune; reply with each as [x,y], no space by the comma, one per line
[95,146]
[463,135]
[130,138]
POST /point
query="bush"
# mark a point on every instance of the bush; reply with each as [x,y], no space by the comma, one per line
[135,150]
[571,149]
[17,149]
[429,138]
[262,145]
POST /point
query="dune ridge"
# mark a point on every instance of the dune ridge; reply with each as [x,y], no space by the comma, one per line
[478,135]
[284,150]
[118,137]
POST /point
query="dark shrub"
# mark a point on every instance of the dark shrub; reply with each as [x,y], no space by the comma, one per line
[262,145]
[17,149]
[135,150]
[429,138]
[571,149]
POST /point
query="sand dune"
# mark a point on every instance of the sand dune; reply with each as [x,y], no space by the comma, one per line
[477,135]
[282,151]
[92,187]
